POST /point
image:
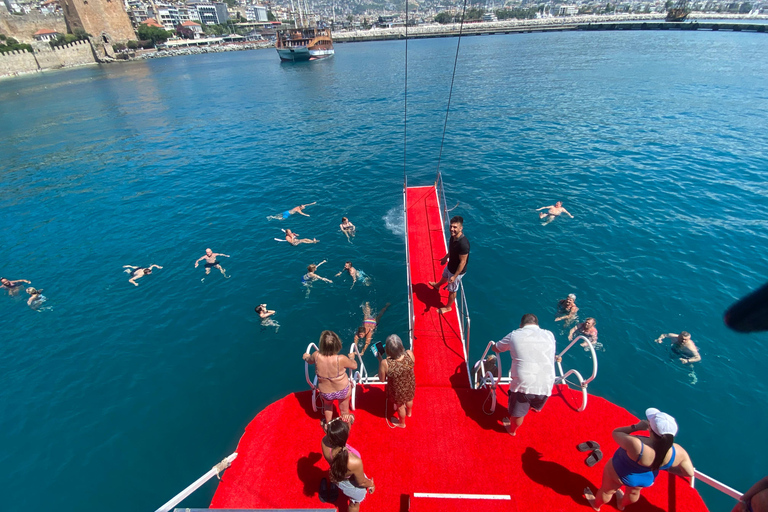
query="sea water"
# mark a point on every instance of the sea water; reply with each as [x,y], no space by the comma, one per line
[118,396]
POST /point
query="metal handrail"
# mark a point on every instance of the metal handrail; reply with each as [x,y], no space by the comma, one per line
[312,385]
[494,382]
[582,383]
[215,470]
[411,311]
[461,303]
[730,491]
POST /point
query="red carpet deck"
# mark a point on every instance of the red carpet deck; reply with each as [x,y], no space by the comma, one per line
[450,445]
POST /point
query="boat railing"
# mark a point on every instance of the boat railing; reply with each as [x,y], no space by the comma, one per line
[411,313]
[312,383]
[461,299]
[485,379]
[217,470]
[730,491]
[563,377]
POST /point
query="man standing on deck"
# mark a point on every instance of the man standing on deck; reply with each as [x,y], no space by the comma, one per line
[533,369]
[457,258]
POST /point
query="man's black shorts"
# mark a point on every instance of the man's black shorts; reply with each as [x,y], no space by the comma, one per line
[520,403]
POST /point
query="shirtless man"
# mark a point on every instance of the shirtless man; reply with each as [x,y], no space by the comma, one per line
[352,272]
[347,228]
[683,345]
[288,213]
[553,211]
[212,262]
[293,238]
[567,309]
[138,272]
[12,286]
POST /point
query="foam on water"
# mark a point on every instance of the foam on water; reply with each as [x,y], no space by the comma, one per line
[395,222]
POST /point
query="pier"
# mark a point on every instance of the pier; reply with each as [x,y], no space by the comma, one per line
[559,25]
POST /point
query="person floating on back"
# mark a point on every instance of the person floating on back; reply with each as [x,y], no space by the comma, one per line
[287,213]
[553,211]
[212,262]
[138,272]
[293,238]
[533,369]
[457,258]
[637,461]
[682,345]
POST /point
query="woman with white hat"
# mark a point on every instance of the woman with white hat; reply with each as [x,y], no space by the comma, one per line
[638,460]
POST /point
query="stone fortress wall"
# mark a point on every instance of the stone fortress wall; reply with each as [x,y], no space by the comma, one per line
[19,62]
[23,28]
[99,17]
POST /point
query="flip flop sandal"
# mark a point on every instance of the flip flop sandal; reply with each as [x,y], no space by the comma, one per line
[593,458]
[588,446]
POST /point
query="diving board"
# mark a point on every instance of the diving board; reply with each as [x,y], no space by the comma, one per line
[437,337]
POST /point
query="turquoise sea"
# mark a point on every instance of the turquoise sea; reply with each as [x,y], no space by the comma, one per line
[116,397]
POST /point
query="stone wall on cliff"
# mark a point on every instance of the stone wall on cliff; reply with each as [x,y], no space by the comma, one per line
[17,62]
[23,27]
[99,18]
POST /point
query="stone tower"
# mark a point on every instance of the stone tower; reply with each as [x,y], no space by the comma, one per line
[105,20]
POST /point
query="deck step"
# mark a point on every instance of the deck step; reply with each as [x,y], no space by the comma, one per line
[422,501]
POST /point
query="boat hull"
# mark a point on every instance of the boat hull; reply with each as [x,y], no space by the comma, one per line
[303,53]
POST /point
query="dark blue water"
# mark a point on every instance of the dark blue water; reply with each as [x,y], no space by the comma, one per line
[119,396]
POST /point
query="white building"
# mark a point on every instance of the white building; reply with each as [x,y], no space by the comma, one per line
[567,10]
[256,13]
[210,13]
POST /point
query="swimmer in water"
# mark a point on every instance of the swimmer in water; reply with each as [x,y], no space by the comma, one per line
[683,345]
[13,287]
[553,211]
[265,315]
[311,276]
[347,228]
[293,238]
[138,272]
[287,213]
[212,262]
[568,309]
[369,325]
[586,329]
[352,272]
[35,297]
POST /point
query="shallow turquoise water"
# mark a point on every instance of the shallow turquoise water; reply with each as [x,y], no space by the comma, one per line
[120,396]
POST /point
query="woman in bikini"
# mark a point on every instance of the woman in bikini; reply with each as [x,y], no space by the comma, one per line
[293,238]
[397,371]
[332,379]
[369,325]
[639,458]
[346,464]
[347,228]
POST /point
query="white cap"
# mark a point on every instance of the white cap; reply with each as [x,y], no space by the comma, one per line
[660,422]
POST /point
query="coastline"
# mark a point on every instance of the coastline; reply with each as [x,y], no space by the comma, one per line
[541,24]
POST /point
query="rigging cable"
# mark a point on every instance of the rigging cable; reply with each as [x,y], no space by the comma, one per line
[453,77]
[405,99]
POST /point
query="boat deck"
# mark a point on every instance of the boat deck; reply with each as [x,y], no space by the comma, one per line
[450,446]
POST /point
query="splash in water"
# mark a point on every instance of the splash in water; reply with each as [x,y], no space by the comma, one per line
[395,221]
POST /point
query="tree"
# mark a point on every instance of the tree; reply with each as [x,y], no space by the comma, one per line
[132,45]
[444,17]
[155,34]
[745,8]
[185,32]
[270,16]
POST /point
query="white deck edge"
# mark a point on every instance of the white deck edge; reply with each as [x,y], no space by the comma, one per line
[462,496]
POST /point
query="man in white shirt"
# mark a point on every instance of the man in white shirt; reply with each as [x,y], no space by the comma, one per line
[533,369]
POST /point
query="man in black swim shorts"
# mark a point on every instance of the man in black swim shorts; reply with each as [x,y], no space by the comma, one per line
[212,262]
